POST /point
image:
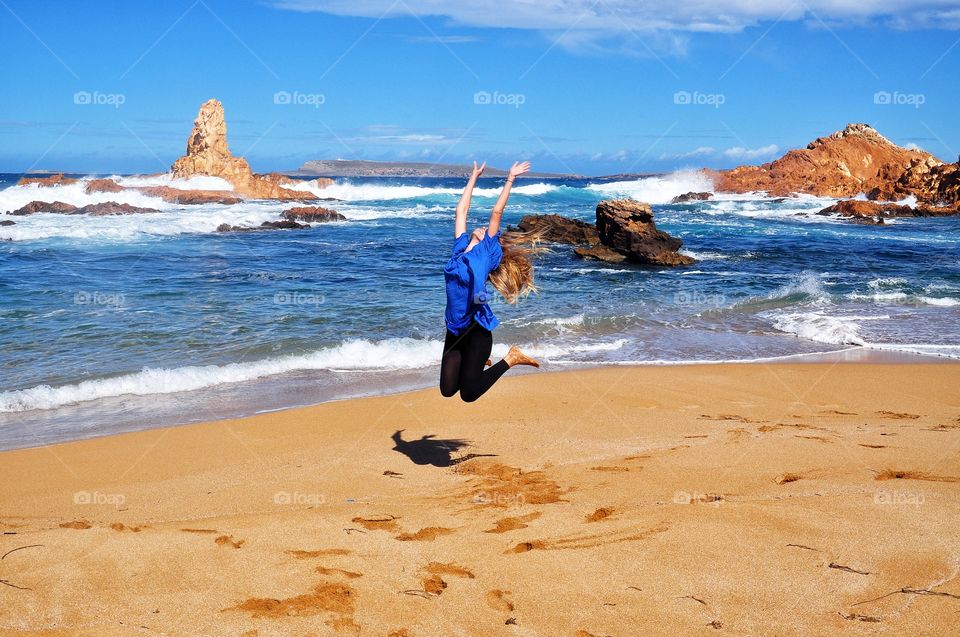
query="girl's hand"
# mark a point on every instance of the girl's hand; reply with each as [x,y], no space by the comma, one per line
[519,168]
[478,171]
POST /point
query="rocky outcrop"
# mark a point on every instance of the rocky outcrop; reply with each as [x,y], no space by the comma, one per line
[286,224]
[312,214]
[208,154]
[626,227]
[7,222]
[96,209]
[557,229]
[872,212]
[52,180]
[34,207]
[691,196]
[191,197]
[102,185]
[855,160]
[929,180]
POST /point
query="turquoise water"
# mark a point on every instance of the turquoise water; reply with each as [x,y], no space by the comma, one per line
[118,323]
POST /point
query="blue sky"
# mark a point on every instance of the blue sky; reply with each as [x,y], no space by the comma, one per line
[595,87]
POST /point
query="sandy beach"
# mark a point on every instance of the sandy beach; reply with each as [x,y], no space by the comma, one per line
[787,499]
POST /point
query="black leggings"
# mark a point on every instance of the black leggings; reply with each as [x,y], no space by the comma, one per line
[462,366]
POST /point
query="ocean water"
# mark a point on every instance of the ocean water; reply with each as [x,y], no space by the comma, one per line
[110,324]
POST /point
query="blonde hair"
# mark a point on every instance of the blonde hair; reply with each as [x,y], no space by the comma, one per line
[513,278]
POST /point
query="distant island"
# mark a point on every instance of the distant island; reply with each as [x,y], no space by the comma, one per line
[367,168]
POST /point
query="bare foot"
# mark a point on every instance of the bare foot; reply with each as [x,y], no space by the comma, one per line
[516,357]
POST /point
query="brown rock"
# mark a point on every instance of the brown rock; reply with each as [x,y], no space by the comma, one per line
[600,253]
[112,208]
[312,214]
[208,154]
[175,195]
[848,162]
[861,211]
[627,227]
[691,196]
[52,180]
[557,229]
[102,185]
[44,206]
[929,180]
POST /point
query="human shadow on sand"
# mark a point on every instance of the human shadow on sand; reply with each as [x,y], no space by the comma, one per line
[429,450]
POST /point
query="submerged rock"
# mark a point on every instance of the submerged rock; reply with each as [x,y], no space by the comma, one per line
[266,225]
[7,222]
[557,229]
[627,228]
[312,214]
[113,208]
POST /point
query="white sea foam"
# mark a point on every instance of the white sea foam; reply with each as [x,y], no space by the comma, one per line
[389,354]
[820,327]
[196,182]
[657,190]
[349,191]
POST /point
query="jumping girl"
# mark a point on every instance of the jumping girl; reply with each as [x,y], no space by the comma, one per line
[477,257]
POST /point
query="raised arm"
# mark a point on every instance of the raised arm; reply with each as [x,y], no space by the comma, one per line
[518,168]
[463,207]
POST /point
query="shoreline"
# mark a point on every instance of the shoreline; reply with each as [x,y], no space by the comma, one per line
[416,381]
[652,484]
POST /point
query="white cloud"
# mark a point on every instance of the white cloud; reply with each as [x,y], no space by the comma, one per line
[646,16]
[739,152]
[700,151]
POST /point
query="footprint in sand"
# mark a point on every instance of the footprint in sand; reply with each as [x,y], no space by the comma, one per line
[512,524]
[433,585]
[378,522]
[426,534]
[76,524]
[227,540]
[120,527]
[338,571]
[891,474]
[600,514]
[896,415]
[499,600]
[785,478]
[333,598]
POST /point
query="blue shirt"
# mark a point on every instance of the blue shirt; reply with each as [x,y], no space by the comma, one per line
[466,277]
